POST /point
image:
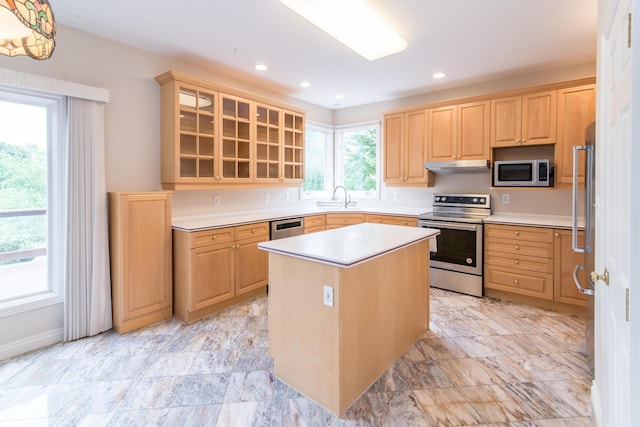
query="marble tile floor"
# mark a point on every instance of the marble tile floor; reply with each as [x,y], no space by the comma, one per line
[484,362]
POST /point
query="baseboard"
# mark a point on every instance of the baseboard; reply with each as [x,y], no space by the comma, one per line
[31,343]
[595,401]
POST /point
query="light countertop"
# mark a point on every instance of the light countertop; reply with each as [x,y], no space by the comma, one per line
[203,222]
[348,246]
[537,220]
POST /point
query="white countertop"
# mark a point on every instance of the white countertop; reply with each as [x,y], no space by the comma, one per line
[203,222]
[537,220]
[348,246]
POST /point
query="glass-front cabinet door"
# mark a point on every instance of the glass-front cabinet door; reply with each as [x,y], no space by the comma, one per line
[196,133]
[293,147]
[236,152]
[268,153]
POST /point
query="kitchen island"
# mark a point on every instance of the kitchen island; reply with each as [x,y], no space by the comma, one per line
[344,304]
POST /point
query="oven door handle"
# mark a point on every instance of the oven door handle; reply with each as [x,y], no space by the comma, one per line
[452,225]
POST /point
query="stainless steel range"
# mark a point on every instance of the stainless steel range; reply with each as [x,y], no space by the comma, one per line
[456,261]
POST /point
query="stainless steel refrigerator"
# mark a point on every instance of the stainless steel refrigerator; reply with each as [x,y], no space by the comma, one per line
[584,209]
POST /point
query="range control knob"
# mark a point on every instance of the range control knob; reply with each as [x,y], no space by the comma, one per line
[475,200]
[443,199]
[482,200]
[437,199]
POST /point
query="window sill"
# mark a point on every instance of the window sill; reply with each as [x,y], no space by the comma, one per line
[33,302]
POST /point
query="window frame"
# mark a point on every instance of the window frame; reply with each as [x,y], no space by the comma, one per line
[330,162]
[56,187]
[339,161]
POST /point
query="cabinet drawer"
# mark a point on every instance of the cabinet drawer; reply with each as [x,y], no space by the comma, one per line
[393,220]
[308,230]
[251,231]
[533,234]
[539,285]
[314,221]
[211,237]
[344,219]
[499,259]
[517,248]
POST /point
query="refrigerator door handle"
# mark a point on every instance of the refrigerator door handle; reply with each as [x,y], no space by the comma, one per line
[574,204]
[577,281]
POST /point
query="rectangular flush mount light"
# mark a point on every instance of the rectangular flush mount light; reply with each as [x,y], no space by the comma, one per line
[353,23]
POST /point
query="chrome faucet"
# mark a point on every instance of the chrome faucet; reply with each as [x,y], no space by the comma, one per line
[347,199]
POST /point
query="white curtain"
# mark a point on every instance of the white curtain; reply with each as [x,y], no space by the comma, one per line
[88,284]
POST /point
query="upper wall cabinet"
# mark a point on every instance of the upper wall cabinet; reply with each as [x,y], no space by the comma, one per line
[212,137]
[459,132]
[524,119]
[576,110]
[405,149]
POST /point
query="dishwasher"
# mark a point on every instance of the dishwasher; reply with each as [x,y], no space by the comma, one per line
[286,228]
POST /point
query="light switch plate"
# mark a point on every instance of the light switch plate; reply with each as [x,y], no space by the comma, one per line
[327,293]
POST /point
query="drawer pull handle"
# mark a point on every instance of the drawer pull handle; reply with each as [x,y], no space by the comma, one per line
[213,237]
[516,262]
[517,233]
[253,230]
[517,247]
[516,281]
[557,234]
[405,222]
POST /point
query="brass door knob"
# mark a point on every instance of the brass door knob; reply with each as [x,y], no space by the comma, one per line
[604,277]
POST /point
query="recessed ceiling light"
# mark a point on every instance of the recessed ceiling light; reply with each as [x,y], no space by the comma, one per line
[439,75]
[305,84]
[368,35]
[339,96]
[261,67]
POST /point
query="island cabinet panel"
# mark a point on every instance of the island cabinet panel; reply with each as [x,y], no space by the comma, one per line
[314,223]
[140,246]
[217,268]
[334,354]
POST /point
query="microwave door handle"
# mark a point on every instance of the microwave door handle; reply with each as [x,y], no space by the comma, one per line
[574,210]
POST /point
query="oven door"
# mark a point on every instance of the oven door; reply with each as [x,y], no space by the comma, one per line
[458,246]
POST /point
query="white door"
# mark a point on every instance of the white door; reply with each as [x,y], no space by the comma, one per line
[614,364]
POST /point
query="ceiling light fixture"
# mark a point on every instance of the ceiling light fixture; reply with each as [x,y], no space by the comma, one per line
[27,27]
[259,67]
[339,96]
[353,23]
[305,84]
[439,75]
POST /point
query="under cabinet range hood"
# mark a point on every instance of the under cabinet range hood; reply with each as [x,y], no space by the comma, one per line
[458,166]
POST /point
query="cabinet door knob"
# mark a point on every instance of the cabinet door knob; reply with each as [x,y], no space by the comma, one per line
[404,222]
[557,234]
[344,219]
[516,262]
[213,237]
[524,140]
[517,247]
[253,230]
[516,282]
[517,233]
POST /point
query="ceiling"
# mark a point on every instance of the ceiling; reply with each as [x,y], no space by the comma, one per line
[470,40]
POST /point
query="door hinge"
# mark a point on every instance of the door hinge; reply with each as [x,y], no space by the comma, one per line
[629,31]
[626,291]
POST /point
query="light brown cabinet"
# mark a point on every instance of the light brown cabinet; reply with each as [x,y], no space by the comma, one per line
[405,149]
[392,220]
[212,137]
[314,223]
[528,119]
[564,288]
[533,262]
[459,132]
[335,220]
[218,268]
[140,248]
[576,110]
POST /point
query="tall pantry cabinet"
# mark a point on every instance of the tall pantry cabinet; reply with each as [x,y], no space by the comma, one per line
[141,253]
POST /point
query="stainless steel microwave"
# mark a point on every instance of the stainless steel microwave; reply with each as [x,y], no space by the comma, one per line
[523,173]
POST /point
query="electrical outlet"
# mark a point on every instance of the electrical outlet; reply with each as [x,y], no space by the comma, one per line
[383,195]
[266,197]
[396,196]
[328,296]
[505,199]
[216,200]
[286,195]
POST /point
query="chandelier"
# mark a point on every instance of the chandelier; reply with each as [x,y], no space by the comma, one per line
[27,27]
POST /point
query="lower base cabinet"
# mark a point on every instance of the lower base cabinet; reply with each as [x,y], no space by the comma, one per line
[214,269]
[532,265]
